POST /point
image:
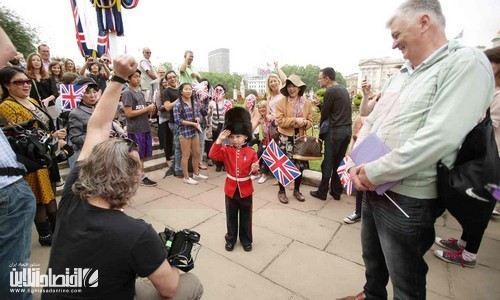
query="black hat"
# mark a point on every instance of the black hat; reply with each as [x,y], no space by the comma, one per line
[87,81]
[237,120]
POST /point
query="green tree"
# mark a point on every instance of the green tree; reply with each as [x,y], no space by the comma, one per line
[167,65]
[309,74]
[228,80]
[23,36]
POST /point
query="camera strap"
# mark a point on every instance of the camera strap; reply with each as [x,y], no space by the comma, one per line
[10,171]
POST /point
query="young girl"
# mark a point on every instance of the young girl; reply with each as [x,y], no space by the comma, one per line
[240,161]
[265,122]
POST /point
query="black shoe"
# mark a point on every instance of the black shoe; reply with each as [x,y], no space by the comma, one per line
[148,182]
[315,194]
[247,248]
[336,197]
[45,240]
[218,168]
[230,246]
[169,172]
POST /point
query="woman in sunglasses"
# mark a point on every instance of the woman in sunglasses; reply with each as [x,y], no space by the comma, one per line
[95,234]
[18,107]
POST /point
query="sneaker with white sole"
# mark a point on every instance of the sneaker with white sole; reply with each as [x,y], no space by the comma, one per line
[454,257]
[253,177]
[353,218]
[495,212]
[262,179]
[450,244]
[190,181]
[199,176]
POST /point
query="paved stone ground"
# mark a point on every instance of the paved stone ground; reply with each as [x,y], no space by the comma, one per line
[301,250]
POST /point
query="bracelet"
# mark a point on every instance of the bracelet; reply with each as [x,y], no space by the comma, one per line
[118,79]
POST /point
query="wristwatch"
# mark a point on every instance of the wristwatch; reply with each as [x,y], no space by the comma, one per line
[118,79]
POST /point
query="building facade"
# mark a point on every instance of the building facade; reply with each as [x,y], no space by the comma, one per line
[351,82]
[218,61]
[376,71]
[257,83]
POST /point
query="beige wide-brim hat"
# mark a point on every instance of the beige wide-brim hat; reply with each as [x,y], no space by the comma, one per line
[295,80]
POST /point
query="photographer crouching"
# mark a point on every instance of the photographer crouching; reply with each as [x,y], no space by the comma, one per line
[95,235]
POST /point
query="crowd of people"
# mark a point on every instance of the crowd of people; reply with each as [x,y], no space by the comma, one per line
[422,114]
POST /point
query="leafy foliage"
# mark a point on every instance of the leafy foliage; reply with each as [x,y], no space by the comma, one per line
[309,74]
[230,81]
[167,65]
[23,36]
[321,95]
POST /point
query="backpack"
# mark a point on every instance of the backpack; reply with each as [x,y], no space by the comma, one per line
[463,189]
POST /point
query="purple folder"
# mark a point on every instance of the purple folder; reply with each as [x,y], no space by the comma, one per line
[370,149]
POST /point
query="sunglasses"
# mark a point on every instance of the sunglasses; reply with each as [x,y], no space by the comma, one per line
[132,145]
[21,82]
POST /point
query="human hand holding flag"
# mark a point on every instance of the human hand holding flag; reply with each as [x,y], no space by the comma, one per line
[344,176]
[71,95]
[282,168]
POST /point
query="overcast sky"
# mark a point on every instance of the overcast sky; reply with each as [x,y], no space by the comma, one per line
[318,32]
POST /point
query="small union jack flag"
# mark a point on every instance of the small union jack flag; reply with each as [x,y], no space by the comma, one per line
[71,95]
[344,176]
[283,169]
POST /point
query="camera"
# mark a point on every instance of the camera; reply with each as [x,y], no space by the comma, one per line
[178,247]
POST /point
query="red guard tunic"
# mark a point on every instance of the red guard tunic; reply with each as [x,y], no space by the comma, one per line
[238,163]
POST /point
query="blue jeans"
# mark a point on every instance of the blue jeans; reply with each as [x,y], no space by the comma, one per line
[394,245]
[177,149]
[336,142]
[17,212]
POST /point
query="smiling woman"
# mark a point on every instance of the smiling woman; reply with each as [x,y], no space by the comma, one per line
[18,107]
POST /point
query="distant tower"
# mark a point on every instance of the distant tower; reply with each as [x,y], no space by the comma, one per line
[496,40]
[218,60]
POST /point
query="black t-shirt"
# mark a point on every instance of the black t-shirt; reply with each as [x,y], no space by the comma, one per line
[117,246]
[170,94]
[337,106]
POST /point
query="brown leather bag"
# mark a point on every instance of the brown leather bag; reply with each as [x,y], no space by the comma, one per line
[273,131]
[308,148]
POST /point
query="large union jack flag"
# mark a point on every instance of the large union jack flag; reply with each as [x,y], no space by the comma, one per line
[71,95]
[344,176]
[283,169]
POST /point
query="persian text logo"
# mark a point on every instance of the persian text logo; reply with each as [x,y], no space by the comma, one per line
[31,277]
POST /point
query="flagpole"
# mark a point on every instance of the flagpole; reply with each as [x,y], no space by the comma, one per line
[397,205]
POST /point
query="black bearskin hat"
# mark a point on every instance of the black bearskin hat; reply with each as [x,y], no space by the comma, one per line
[237,120]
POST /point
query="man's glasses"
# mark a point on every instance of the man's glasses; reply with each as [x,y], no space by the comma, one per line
[21,82]
[132,146]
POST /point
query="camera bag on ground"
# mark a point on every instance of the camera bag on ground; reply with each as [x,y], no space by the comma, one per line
[33,146]
[178,246]
[463,189]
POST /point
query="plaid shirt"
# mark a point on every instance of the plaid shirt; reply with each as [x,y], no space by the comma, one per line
[189,114]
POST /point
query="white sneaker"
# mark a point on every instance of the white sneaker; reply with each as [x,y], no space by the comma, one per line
[495,212]
[253,177]
[190,181]
[199,176]
[262,179]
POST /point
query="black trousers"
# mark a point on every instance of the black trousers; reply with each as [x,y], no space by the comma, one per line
[166,138]
[336,142]
[243,206]
[474,216]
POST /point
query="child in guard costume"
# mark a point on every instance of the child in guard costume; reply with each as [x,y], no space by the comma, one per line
[240,161]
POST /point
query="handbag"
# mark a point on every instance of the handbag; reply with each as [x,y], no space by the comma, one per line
[462,190]
[308,148]
[273,131]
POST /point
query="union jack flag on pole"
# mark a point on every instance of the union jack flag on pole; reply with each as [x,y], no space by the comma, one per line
[344,176]
[71,95]
[283,169]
